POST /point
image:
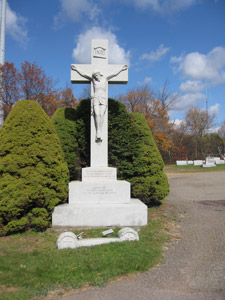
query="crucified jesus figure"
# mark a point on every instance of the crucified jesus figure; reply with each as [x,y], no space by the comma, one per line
[99,101]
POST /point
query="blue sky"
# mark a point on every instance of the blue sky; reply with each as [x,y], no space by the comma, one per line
[181,41]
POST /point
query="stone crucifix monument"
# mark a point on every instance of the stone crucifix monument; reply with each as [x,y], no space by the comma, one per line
[99,199]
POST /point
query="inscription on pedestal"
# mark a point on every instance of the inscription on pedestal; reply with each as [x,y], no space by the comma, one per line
[98,174]
[100,190]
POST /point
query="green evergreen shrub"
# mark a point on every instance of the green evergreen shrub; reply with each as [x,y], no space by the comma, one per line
[33,174]
[83,112]
[149,182]
[64,121]
[132,150]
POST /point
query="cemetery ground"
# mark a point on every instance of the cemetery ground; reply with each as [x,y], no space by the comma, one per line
[192,169]
[180,255]
[31,266]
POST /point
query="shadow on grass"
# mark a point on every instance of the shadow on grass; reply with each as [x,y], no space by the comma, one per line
[154,204]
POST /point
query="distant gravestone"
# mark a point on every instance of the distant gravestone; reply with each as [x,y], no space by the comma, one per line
[211,160]
[217,160]
[181,163]
[209,165]
[198,162]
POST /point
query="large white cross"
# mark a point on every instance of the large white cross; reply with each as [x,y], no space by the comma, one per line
[84,74]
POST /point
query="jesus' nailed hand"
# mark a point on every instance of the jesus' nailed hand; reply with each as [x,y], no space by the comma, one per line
[99,101]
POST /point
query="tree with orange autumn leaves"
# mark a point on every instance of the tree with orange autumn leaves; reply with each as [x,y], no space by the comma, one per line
[32,83]
[11,87]
[143,100]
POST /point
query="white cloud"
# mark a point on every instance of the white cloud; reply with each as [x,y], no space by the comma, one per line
[214,129]
[15,26]
[197,66]
[201,71]
[185,101]
[147,80]
[191,86]
[175,59]
[74,10]
[156,55]
[215,109]
[177,123]
[82,52]
[165,6]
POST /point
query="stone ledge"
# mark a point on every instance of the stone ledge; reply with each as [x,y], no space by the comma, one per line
[81,215]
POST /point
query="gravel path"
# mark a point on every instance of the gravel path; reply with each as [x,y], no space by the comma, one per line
[194,266]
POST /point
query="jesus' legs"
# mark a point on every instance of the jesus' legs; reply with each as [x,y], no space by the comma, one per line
[99,113]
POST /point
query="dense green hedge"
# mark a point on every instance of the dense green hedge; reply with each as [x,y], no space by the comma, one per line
[65,125]
[149,183]
[132,150]
[33,175]
[83,112]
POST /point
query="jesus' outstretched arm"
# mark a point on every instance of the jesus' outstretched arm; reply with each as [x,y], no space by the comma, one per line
[125,67]
[80,72]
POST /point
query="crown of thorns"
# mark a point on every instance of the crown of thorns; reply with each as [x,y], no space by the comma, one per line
[96,73]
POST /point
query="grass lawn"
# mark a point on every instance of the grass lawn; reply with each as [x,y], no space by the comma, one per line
[191,169]
[31,266]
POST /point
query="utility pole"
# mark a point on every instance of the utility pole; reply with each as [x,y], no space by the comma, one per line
[206,109]
[2,59]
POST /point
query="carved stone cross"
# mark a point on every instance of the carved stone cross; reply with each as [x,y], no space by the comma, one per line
[99,73]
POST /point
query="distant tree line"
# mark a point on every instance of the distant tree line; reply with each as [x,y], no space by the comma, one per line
[192,139]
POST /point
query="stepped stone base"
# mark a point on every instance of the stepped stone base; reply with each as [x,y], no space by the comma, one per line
[133,213]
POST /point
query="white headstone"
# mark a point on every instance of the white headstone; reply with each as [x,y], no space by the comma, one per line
[181,163]
[198,162]
[209,165]
[211,160]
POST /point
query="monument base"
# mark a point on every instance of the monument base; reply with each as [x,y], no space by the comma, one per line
[117,191]
[133,213]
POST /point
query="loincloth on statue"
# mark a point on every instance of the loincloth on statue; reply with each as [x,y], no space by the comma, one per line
[99,100]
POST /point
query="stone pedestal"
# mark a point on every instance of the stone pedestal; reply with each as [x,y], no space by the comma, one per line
[100,200]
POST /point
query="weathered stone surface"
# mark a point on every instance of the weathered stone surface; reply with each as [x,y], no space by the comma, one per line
[100,215]
[128,234]
[69,239]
